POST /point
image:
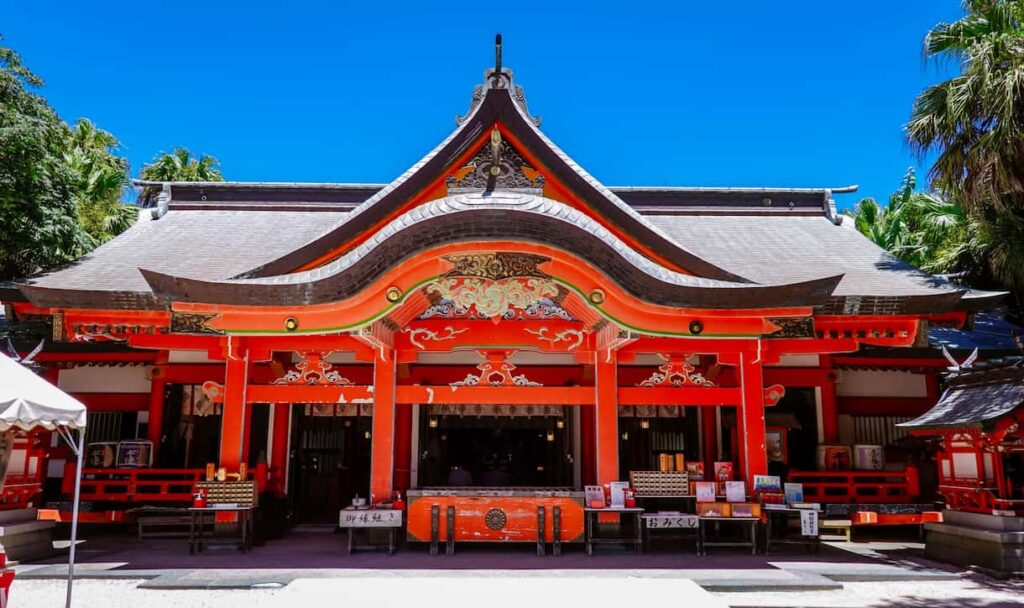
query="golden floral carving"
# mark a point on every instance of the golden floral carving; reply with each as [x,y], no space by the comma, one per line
[493,298]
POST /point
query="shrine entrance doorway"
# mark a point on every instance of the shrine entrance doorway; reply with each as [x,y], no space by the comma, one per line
[497,446]
[330,461]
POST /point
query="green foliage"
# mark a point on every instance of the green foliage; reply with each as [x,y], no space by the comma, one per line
[937,234]
[100,179]
[38,219]
[918,227]
[178,165]
[975,121]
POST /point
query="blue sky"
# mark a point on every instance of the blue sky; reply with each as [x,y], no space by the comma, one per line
[682,93]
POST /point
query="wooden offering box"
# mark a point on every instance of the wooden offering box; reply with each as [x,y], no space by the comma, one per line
[660,484]
[494,514]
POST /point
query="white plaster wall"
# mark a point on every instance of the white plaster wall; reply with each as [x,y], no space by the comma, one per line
[798,361]
[85,379]
[188,356]
[878,383]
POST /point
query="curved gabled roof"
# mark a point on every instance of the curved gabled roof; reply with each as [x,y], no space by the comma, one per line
[498,215]
[496,105]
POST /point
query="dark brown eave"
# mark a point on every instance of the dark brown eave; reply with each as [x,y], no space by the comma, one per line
[91,299]
[504,216]
[496,106]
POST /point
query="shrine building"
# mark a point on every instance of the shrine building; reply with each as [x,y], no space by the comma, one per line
[493,317]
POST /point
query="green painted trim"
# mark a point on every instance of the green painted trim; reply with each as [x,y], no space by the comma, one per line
[570,286]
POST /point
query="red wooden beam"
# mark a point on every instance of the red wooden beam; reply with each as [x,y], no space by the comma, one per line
[95,357]
[884,406]
[678,396]
[114,402]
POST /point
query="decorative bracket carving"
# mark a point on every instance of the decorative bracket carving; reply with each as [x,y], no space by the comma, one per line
[773,393]
[420,333]
[313,369]
[677,372]
[574,337]
[495,371]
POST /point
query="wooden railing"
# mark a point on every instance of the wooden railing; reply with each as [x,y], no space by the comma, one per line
[858,486]
[142,486]
[134,485]
[23,485]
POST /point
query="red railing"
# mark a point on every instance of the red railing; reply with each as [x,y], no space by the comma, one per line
[141,486]
[23,485]
[133,485]
[858,486]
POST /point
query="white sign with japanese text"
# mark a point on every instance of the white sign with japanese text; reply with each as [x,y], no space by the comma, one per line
[370,518]
[808,522]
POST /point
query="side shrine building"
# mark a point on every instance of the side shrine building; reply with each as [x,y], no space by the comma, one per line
[494,317]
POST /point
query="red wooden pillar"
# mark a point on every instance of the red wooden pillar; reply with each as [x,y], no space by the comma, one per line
[403,447]
[232,426]
[279,448]
[155,426]
[607,416]
[829,412]
[382,444]
[751,413]
[588,427]
[709,429]
[155,430]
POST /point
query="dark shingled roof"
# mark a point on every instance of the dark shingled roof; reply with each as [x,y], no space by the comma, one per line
[499,215]
[225,233]
[975,399]
[213,244]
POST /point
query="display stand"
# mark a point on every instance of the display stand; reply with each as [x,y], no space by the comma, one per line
[354,519]
[636,539]
[778,520]
[749,522]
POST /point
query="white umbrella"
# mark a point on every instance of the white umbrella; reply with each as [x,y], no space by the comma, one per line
[27,402]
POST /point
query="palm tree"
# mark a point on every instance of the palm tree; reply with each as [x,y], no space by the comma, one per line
[100,179]
[937,234]
[975,121]
[178,165]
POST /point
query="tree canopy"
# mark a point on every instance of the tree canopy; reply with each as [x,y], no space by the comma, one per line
[975,120]
[63,187]
[179,165]
[38,217]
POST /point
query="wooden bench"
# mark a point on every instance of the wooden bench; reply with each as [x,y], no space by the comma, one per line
[843,526]
[163,526]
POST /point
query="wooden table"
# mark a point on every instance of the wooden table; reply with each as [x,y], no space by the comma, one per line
[636,539]
[703,543]
[353,519]
[197,537]
[685,524]
[775,535]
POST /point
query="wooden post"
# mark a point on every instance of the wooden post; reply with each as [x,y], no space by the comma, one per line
[383,439]
[709,429]
[155,429]
[829,412]
[752,431]
[279,448]
[607,415]
[403,447]
[588,428]
[236,378]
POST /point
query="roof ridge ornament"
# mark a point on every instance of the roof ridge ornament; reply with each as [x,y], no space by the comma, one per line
[498,77]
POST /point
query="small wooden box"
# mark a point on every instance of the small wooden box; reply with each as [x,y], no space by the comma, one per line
[714,509]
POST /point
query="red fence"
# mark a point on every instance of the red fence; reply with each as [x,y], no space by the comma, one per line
[858,486]
[25,473]
[142,486]
[133,485]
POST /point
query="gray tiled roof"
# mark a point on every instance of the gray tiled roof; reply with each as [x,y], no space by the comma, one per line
[776,248]
[501,214]
[975,399]
[213,244]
